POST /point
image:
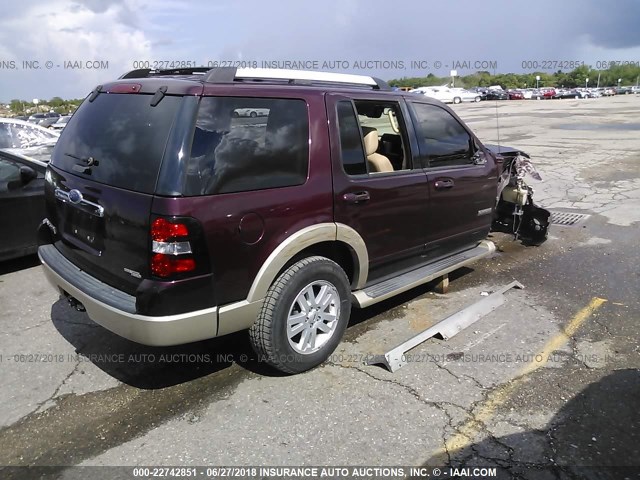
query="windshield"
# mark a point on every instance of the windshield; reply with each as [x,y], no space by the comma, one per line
[18,135]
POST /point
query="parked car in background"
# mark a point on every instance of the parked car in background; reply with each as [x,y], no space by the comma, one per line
[608,91]
[548,93]
[575,94]
[482,91]
[444,94]
[515,95]
[536,94]
[60,123]
[465,95]
[624,90]
[26,138]
[635,89]
[37,118]
[496,94]
[49,120]
[251,112]
[21,204]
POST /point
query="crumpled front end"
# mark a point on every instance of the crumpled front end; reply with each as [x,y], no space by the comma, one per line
[515,211]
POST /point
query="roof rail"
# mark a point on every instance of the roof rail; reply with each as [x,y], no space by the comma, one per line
[305,77]
[295,77]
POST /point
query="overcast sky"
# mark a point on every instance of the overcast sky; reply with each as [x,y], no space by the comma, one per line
[507,32]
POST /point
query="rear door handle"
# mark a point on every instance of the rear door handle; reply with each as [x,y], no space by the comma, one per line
[358,197]
[444,184]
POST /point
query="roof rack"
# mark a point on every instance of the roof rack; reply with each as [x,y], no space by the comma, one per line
[291,77]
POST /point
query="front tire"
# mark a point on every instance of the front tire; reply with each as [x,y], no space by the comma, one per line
[457,100]
[303,317]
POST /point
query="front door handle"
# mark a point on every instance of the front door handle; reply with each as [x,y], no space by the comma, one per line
[358,197]
[443,184]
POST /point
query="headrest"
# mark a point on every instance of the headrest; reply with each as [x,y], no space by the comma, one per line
[370,140]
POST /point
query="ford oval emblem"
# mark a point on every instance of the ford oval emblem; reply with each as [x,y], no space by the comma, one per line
[75,196]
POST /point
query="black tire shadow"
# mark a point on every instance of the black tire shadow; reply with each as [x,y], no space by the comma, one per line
[596,435]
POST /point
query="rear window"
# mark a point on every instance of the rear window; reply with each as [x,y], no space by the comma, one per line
[123,134]
[243,144]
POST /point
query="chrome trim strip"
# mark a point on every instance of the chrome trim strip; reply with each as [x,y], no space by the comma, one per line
[64,197]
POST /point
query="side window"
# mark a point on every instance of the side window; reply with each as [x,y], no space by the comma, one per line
[353,159]
[442,137]
[384,136]
[243,144]
[9,172]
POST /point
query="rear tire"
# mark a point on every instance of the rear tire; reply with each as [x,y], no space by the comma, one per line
[253,114]
[457,100]
[303,317]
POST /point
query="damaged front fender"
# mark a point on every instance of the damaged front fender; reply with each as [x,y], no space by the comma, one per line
[515,211]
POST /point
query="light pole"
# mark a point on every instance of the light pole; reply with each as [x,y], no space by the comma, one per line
[537,80]
[586,83]
[619,82]
[36,102]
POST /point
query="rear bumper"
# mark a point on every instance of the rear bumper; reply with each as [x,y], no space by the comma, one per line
[115,310]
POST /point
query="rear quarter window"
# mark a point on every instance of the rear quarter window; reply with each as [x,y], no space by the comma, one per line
[243,144]
[124,134]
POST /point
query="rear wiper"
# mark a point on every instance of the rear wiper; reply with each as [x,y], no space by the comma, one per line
[90,161]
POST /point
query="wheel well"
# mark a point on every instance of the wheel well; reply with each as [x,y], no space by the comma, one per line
[339,252]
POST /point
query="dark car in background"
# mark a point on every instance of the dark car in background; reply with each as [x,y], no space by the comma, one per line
[563,93]
[495,94]
[22,206]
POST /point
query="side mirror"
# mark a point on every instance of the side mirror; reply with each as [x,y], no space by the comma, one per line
[27,174]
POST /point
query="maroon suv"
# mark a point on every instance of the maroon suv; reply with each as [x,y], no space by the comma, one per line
[173,216]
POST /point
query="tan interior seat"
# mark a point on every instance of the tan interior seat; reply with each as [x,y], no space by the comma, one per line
[377,162]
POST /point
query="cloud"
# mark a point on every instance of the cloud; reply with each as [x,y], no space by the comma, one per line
[617,27]
[69,32]
[123,31]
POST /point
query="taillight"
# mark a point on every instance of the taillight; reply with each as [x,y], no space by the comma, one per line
[172,253]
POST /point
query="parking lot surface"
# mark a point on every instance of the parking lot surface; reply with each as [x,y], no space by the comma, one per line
[549,379]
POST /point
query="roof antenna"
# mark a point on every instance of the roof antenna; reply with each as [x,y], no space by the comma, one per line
[498,128]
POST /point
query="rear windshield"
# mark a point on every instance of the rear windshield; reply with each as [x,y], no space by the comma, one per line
[123,134]
[243,144]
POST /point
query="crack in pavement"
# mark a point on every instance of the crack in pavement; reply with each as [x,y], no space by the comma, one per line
[53,396]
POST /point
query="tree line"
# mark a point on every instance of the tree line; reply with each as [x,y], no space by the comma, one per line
[627,74]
